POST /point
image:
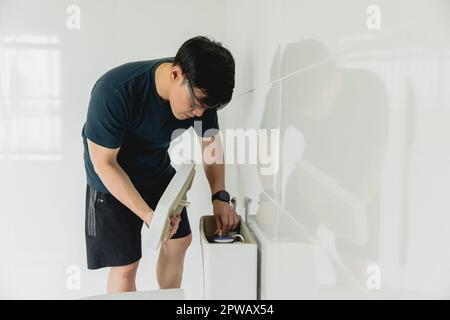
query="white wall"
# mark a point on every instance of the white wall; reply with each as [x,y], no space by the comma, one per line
[46,74]
[361,113]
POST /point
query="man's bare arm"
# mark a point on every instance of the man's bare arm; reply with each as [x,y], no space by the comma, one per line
[117,181]
[214,167]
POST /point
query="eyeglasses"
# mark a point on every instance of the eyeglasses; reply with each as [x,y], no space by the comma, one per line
[195,103]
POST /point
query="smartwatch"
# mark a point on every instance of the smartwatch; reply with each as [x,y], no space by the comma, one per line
[221,195]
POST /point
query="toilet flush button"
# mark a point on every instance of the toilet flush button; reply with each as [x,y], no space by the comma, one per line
[224,239]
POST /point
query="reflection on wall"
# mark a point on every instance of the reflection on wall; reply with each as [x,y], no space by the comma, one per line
[342,115]
[333,124]
[30,101]
[362,167]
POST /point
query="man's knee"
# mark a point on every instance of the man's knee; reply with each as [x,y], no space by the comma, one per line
[125,272]
[187,241]
[177,246]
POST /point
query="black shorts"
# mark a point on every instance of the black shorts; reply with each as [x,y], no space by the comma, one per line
[113,232]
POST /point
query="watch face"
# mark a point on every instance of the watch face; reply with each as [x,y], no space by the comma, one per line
[223,195]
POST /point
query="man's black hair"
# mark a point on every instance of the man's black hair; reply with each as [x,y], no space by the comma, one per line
[209,67]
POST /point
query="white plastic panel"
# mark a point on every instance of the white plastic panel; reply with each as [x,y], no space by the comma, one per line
[172,202]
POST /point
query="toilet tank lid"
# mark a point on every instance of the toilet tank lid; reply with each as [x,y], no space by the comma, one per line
[171,202]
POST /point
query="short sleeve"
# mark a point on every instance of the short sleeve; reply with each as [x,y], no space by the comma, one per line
[107,116]
[207,125]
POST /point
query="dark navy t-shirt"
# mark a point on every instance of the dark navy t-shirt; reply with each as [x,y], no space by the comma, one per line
[126,111]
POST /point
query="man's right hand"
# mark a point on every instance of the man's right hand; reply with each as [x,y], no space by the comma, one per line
[173,228]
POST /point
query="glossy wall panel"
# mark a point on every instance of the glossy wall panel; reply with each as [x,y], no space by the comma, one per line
[363,150]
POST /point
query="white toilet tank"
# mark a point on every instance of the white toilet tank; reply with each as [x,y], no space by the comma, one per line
[229,269]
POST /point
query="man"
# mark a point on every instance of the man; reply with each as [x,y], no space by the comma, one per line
[133,111]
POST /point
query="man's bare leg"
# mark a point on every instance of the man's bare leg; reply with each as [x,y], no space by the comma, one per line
[169,269]
[122,278]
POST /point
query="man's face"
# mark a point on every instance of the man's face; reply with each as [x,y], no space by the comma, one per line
[183,98]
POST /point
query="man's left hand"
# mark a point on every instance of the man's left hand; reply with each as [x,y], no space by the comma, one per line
[226,217]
